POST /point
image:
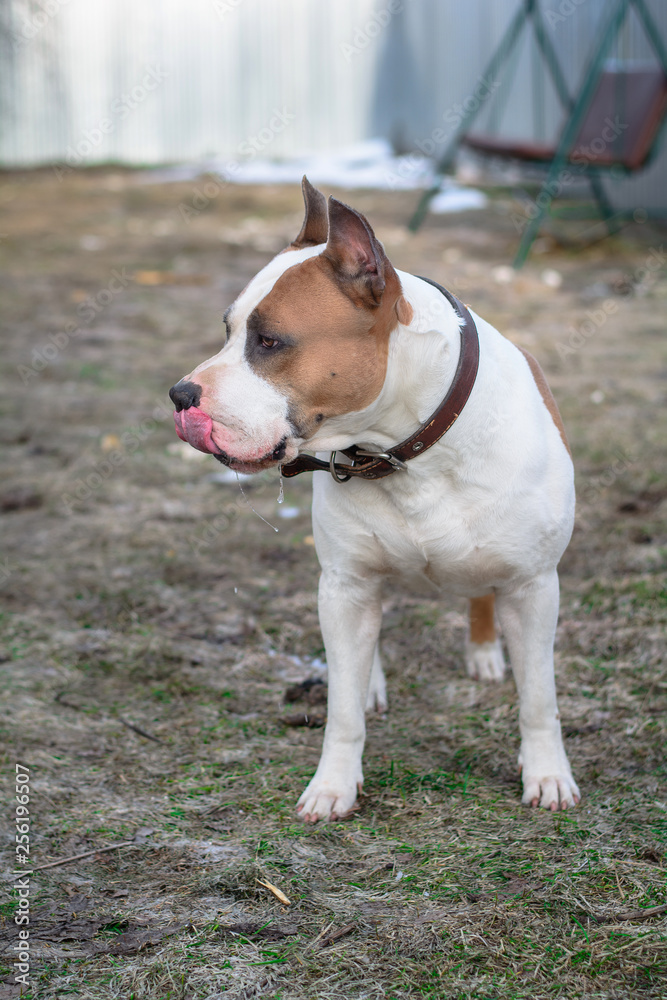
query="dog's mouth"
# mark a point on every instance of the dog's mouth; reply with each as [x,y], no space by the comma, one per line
[248,468]
[196,428]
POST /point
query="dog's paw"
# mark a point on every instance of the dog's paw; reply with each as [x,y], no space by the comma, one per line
[553,791]
[485,660]
[547,778]
[327,800]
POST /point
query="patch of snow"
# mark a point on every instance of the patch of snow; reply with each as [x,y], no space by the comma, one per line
[185,451]
[226,476]
[453,198]
[503,274]
[289,512]
[551,278]
[367,164]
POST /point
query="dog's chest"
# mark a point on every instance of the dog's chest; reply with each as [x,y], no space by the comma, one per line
[442,549]
[423,537]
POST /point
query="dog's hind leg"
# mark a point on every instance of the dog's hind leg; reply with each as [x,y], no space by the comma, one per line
[377,687]
[528,616]
[350,616]
[484,654]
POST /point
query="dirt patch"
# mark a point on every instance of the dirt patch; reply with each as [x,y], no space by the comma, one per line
[153,623]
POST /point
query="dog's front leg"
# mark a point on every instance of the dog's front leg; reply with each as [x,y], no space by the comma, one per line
[350,615]
[528,616]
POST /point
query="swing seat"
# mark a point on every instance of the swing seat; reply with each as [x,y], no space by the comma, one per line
[619,129]
[613,124]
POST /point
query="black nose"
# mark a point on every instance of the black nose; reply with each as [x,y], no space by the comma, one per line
[184,395]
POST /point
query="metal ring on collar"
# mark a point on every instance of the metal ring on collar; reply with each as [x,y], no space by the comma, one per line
[334,473]
[393,461]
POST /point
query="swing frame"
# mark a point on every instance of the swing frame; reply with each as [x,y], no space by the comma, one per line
[575,108]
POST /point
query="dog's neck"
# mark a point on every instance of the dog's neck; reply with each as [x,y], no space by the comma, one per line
[422,362]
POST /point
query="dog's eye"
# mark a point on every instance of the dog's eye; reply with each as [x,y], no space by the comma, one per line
[268,342]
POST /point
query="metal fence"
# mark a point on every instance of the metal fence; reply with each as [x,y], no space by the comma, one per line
[155,81]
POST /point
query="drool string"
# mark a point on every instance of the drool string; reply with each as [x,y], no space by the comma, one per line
[243,494]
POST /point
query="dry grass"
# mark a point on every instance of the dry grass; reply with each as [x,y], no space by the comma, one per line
[138,603]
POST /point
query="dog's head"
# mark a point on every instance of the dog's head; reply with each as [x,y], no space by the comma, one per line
[307,340]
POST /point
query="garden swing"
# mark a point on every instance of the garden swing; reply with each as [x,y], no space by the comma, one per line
[612,124]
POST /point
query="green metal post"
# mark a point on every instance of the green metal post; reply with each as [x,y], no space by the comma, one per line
[652,32]
[571,129]
[606,208]
[500,56]
[551,60]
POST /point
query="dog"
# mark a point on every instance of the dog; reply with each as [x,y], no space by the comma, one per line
[331,349]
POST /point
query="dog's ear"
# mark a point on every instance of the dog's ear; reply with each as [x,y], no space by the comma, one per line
[315,224]
[356,255]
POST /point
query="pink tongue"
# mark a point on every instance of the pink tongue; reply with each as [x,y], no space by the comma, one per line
[195,427]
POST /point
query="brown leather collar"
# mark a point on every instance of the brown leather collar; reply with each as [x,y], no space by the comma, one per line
[376,465]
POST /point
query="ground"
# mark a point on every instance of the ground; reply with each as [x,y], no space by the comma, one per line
[152,624]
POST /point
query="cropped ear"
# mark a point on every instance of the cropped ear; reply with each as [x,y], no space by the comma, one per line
[356,255]
[315,224]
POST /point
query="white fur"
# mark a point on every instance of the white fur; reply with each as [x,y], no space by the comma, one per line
[488,508]
[485,660]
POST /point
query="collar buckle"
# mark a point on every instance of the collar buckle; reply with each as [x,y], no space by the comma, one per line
[396,463]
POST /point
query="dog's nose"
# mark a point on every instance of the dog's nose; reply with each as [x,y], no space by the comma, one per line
[184,395]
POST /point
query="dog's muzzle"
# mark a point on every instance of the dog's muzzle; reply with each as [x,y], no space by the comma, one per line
[196,427]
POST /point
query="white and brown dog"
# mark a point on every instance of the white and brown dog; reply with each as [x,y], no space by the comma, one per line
[330,349]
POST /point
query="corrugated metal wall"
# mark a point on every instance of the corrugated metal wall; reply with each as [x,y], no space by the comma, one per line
[154,81]
[179,79]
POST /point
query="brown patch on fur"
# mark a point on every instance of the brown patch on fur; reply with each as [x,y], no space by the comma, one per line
[546,395]
[333,354]
[404,310]
[482,624]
